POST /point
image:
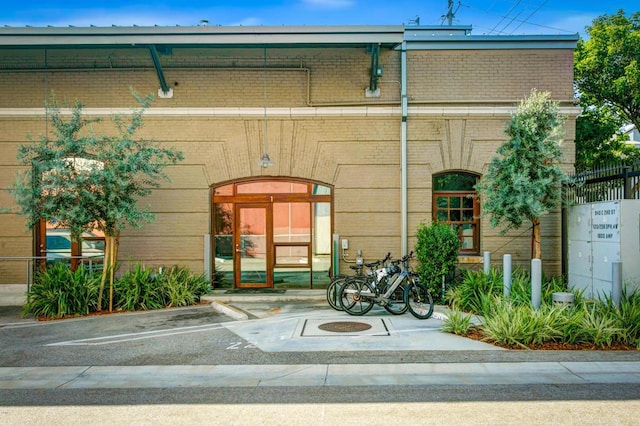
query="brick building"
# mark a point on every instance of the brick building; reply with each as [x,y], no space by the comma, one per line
[368,131]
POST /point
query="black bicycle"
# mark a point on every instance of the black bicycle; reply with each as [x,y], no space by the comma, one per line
[401,290]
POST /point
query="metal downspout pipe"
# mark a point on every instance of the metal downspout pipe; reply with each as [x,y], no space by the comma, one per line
[403,150]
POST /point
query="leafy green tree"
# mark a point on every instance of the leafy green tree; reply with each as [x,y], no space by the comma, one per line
[607,65]
[85,181]
[523,183]
[599,140]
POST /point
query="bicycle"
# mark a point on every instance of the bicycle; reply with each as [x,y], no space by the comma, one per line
[333,290]
[401,291]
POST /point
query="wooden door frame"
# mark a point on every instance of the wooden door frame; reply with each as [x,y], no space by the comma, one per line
[237,235]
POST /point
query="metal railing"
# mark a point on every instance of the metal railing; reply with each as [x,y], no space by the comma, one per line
[94,264]
[610,182]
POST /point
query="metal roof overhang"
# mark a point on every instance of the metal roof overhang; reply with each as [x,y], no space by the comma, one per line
[313,36]
[423,40]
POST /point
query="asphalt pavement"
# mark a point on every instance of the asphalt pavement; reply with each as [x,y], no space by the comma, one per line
[292,348]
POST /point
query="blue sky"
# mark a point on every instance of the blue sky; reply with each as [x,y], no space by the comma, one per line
[486,16]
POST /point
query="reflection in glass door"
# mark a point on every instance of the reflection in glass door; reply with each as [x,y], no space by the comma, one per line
[252,237]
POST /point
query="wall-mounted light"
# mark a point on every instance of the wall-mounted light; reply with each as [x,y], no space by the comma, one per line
[265,161]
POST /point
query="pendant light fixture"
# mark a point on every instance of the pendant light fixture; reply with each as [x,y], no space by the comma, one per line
[265,161]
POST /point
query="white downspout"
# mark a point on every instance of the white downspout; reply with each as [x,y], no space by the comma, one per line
[403,150]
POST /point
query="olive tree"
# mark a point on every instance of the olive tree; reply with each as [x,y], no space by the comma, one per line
[524,182]
[83,180]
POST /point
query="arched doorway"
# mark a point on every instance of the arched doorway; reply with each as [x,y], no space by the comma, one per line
[272,232]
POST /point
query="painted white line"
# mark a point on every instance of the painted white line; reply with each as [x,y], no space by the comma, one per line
[58,321]
[129,337]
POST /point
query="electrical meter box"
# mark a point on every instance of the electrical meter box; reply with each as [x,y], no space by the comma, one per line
[598,235]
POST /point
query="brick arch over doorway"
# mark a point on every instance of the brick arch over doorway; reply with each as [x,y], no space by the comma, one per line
[272,232]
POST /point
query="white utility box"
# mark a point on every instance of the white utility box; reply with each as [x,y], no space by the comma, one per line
[598,235]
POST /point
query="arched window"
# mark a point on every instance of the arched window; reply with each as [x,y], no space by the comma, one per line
[455,201]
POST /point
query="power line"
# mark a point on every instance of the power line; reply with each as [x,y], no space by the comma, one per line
[506,16]
[516,20]
[529,17]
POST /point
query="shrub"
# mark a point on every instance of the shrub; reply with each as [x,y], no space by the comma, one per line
[511,324]
[627,317]
[457,323]
[142,289]
[181,288]
[600,325]
[513,321]
[58,291]
[437,253]
[467,295]
[137,289]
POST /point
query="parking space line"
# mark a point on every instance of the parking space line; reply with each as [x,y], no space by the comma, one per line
[129,337]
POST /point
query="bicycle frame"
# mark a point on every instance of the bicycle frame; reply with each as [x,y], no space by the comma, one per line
[396,280]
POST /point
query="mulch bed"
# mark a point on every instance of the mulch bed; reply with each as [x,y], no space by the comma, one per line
[477,334]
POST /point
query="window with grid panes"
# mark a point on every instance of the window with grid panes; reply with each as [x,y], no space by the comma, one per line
[455,202]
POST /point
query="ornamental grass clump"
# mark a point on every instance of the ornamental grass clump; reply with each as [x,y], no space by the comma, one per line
[58,292]
[137,289]
[512,321]
[628,317]
[600,325]
[467,294]
[143,289]
[522,326]
[457,323]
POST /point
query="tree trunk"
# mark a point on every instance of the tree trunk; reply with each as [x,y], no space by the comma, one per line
[112,268]
[105,270]
[536,248]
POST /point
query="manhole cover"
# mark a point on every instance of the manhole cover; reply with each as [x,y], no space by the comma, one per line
[344,326]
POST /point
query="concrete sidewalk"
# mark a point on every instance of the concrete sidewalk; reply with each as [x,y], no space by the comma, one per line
[319,375]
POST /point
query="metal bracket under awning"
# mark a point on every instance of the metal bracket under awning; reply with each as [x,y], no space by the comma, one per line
[156,64]
[375,71]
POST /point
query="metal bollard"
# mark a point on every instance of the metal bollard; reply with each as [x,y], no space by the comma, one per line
[616,283]
[506,271]
[536,283]
[487,262]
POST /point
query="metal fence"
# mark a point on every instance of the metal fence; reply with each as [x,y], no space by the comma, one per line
[604,183]
[21,269]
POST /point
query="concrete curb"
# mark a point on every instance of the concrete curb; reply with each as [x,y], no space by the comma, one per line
[229,311]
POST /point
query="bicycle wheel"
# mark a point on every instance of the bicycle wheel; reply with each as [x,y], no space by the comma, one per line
[356,297]
[396,305]
[333,292]
[419,300]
